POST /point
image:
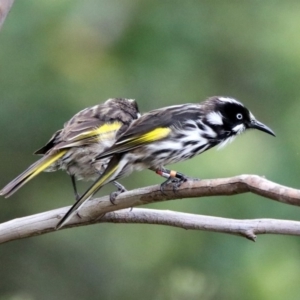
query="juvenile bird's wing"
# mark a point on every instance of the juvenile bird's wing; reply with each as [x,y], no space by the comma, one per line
[90,126]
[50,144]
[99,123]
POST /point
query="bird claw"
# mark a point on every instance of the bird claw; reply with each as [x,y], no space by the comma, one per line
[164,184]
[115,194]
[77,197]
[176,183]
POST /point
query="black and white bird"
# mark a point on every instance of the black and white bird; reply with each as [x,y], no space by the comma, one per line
[169,135]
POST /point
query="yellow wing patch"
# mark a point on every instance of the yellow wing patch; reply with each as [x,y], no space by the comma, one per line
[154,135]
[104,132]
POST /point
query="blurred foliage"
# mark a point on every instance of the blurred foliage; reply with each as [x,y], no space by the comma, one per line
[58,57]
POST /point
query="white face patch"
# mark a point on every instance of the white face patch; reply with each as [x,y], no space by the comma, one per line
[215,118]
[239,128]
[230,100]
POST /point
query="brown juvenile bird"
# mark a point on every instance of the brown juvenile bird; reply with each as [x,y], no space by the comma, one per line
[74,148]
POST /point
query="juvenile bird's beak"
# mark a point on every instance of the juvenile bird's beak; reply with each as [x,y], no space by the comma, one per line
[260,126]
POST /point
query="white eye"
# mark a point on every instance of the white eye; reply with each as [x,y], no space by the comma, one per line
[239,116]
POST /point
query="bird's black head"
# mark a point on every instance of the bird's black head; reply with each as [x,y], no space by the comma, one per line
[230,117]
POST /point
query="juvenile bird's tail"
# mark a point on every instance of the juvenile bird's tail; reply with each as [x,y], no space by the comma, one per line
[31,172]
[108,175]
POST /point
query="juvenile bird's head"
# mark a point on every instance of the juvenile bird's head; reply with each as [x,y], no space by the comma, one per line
[128,106]
[231,116]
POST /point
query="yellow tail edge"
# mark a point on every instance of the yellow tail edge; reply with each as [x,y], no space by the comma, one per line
[30,173]
[96,186]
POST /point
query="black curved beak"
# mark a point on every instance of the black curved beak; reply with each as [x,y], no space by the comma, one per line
[260,126]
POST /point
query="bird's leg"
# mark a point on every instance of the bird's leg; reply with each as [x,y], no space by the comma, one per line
[165,183]
[77,196]
[114,195]
[173,177]
[166,173]
[180,178]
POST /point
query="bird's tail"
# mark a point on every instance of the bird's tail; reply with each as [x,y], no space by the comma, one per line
[107,176]
[31,172]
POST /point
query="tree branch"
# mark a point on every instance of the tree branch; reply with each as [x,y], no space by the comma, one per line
[5,6]
[89,214]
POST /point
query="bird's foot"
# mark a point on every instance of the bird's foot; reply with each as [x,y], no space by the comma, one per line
[174,182]
[77,197]
[115,194]
[176,179]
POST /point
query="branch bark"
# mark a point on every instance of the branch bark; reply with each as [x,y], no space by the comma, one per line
[5,6]
[90,214]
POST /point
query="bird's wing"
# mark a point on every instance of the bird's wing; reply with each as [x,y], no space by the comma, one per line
[88,132]
[153,126]
[87,127]
[50,144]
[99,122]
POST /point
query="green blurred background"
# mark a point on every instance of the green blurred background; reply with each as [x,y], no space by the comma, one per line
[58,57]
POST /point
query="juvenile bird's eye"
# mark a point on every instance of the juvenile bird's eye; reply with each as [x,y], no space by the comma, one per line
[239,116]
